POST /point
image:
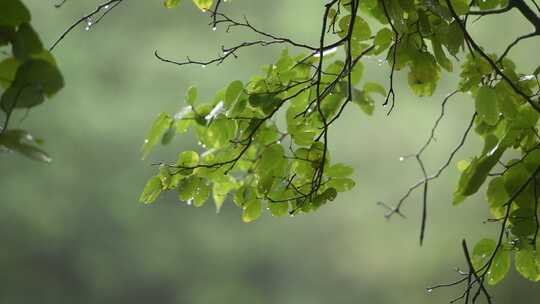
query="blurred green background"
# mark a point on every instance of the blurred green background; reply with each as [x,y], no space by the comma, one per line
[73,231]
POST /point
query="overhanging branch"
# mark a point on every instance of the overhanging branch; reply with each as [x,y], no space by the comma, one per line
[523,8]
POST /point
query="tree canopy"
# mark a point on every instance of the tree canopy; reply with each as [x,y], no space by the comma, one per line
[264,141]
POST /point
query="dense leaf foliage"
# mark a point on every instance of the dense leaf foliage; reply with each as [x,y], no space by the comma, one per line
[265,142]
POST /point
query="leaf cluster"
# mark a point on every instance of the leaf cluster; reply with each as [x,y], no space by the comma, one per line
[28,76]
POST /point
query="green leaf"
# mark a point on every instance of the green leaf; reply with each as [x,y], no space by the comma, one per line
[278,209]
[454,38]
[487,4]
[32,152]
[194,190]
[463,164]
[167,181]
[187,189]
[161,124]
[482,252]
[203,5]
[34,80]
[169,135]
[527,117]
[8,70]
[329,194]
[238,107]
[514,179]
[341,184]
[222,186]
[532,161]
[303,138]
[242,195]
[537,71]
[500,266]
[361,30]
[424,74]
[285,62]
[440,55]
[191,96]
[357,73]
[367,4]
[266,102]
[19,97]
[151,191]
[331,105]
[171,3]
[267,134]
[188,159]
[339,170]
[496,193]
[526,261]
[523,222]
[26,42]
[183,119]
[460,6]
[201,194]
[271,159]
[476,173]
[373,87]
[364,101]
[233,92]
[37,72]
[20,141]
[219,133]
[382,40]
[505,101]
[13,13]
[6,34]
[252,210]
[486,105]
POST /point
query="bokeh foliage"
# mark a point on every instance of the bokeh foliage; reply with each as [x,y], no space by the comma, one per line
[27,77]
